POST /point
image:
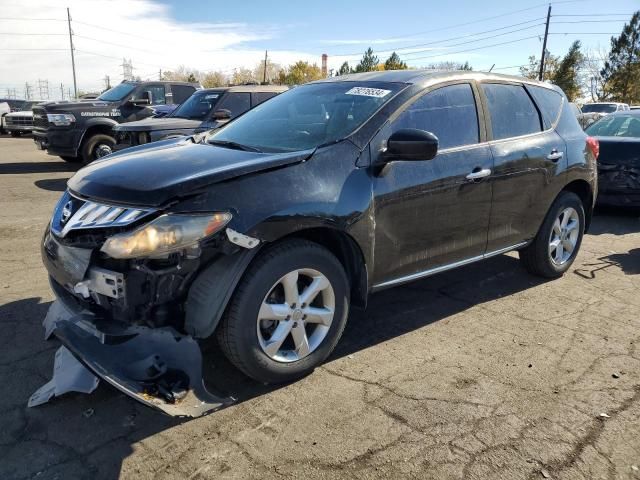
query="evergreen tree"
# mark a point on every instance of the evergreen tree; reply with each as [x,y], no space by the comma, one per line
[566,74]
[191,78]
[394,63]
[369,62]
[621,72]
[466,67]
[344,69]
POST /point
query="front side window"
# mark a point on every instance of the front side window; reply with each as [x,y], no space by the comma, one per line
[511,111]
[198,106]
[157,94]
[448,112]
[616,126]
[117,93]
[308,116]
[236,102]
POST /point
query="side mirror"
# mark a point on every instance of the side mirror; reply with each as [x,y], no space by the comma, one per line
[145,99]
[222,114]
[411,144]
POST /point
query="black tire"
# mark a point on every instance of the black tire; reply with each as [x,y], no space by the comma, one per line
[15,134]
[536,257]
[70,159]
[93,144]
[238,332]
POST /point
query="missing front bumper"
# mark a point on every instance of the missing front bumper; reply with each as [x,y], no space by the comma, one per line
[158,367]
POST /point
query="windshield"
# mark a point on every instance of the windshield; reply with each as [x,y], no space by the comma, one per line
[117,93]
[307,116]
[599,108]
[197,106]
[616,126]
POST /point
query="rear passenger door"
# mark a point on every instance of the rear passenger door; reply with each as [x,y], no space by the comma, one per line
[529,161]
[433,213]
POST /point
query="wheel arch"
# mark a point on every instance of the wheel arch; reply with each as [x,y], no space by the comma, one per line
[94,126]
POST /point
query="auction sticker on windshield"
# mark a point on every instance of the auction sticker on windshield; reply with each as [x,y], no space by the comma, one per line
[368,92]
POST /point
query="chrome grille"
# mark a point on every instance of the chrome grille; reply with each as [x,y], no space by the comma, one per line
[72,213]
[18,120]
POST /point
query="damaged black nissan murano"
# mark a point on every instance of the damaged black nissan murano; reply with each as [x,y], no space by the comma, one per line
[265,233]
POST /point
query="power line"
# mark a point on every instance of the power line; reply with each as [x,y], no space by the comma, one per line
[30,19]
[29,34]
[113,31]
[588,21]
[477,48]
[434,42]
[114,44]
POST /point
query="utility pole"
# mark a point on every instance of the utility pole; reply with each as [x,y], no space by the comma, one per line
[264,74]
[107,82]
[61,92]
[43,89]
[160,74]
[544,45]
[73,59]
[27,91]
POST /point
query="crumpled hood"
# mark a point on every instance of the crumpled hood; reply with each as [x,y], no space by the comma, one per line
[153,124]
[152,175]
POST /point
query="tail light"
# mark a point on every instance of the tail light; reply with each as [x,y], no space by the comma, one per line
[594,146]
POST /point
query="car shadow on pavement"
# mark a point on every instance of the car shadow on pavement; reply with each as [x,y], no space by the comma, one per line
[90,436]
[37,167]
[615,221]
[52,184]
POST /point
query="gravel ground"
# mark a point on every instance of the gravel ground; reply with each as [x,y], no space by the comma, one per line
[481,373]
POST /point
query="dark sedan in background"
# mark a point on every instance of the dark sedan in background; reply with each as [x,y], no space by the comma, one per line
[619,159]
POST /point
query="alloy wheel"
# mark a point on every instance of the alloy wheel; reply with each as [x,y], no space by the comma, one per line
[564,236]
[296,315]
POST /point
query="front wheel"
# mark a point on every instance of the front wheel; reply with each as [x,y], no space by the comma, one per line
[97,146]
[556,245]
[287,314]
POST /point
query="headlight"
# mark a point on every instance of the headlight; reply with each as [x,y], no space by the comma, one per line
[61,119]
[165,234]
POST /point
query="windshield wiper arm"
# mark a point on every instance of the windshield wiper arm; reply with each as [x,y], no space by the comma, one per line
[234,145]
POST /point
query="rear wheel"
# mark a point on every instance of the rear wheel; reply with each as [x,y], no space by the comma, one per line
[557,243]
[287,313]
[96,147]
[70,159]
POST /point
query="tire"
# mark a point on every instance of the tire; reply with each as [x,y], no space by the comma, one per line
[15,134]
[96,147]
[540,257]
[71,159]
[245,338]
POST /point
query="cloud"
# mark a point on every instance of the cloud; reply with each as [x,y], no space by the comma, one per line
[107,32]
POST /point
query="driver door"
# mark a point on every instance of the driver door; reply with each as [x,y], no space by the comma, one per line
[433,213]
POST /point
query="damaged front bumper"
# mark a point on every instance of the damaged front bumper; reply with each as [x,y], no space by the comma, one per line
[156,366]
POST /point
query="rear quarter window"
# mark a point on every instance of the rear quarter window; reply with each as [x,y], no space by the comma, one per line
[511,111]
[258,97]
[549,102]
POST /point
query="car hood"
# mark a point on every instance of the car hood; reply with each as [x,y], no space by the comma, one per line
[55,107]
[155,174]
[153,124]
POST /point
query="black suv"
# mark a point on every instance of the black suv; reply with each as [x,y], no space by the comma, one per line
[82,131]
[204,110]
[267,231]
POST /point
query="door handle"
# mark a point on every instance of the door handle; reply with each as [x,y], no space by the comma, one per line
[555,155]
[479,174]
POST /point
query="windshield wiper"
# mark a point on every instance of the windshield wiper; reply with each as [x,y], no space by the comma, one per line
[234,145]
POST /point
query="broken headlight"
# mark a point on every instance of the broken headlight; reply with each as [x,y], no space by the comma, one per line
[165,234]
[61,119]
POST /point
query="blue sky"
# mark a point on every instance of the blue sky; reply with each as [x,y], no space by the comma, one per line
[165,34]
[320,26]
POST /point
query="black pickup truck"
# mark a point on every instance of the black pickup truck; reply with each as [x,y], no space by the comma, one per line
[83,131]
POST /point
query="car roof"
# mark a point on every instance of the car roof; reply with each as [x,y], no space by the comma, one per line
[248,88]
[605,103]
[633,113]
[427,76]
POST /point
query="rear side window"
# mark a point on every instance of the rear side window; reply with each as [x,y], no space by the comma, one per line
[181,93]
[448,112]
[236,102]
[549,102]
[511,111]
[258,97]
